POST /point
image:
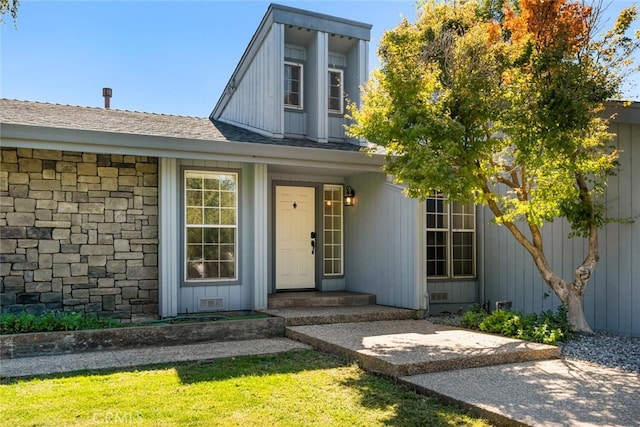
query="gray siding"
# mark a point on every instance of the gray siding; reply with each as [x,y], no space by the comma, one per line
[264,77]
[336,128]
[253,98]
[236,296]
[381,252]
[315,87]
[458,292]
[295,123]
[613,294]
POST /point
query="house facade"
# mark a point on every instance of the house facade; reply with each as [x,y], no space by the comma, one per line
[134,215]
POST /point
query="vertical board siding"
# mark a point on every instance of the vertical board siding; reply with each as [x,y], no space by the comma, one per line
[168,247]
[245,107]
[634,286]
[336,127]
[381,242]
[612,297]
[295,123]
[236,296]
[260,243]
[460,292]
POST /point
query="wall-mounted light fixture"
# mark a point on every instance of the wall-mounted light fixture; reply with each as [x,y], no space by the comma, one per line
[349,196]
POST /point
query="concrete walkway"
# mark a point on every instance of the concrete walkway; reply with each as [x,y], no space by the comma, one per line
[474,370]
[477,371]
[546,393]
[42,365]
[410,347]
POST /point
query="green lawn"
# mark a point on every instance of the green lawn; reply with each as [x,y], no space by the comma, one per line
[291,389]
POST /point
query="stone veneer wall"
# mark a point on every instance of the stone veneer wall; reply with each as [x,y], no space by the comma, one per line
[79,232]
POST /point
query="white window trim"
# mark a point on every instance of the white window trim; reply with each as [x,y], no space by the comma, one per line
[301,106]
[210,280]
[341,72]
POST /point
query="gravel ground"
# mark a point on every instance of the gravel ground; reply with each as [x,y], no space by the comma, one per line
[603,349]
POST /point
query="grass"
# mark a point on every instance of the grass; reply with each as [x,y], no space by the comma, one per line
[299,388]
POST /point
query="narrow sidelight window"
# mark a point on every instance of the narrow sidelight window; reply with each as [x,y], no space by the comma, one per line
[333,231]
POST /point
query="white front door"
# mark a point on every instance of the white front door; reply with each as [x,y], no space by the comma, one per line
[295,221]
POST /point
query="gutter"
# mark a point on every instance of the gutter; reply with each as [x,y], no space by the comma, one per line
[26,136]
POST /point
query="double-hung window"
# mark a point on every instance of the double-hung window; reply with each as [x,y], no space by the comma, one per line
[336,102]
[451,236]
[211,225]
[293,85]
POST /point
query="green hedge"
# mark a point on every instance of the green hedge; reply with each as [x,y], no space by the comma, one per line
[52,321]
[547,327]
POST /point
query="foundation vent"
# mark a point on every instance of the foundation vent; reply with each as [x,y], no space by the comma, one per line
[504,305]
[210,304]
[439,296]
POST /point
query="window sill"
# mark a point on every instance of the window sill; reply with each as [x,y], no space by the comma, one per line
[453,279]
[210,283]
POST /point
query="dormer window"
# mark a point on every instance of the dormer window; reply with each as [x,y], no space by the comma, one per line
[336,103]
[293,85]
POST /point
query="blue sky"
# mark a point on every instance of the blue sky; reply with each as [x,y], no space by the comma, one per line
[158,56]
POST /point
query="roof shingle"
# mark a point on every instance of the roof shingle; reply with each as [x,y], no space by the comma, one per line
[137,123]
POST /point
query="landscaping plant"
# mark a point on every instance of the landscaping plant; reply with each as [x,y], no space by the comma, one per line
[547,328]
[52,321]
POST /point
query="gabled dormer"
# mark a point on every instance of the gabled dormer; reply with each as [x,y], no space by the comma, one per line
[296,75]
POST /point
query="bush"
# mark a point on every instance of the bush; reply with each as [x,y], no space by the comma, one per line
[52,321]
[547,328]
[473,317]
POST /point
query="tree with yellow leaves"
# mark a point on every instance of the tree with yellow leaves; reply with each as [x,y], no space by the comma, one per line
[502,106]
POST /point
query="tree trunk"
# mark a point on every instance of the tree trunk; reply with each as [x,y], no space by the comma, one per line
[570,293]
[575,312]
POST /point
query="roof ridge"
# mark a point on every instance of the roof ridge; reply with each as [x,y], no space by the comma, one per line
[102,109]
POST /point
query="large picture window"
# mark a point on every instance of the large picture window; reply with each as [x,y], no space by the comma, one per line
[333,225]
[293,85]
[211,225]
[335,91]
[451,236]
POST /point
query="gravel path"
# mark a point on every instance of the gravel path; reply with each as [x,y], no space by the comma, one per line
[603,349]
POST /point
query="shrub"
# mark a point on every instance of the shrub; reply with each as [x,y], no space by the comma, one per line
[52,321]
[547,328]
[473,317]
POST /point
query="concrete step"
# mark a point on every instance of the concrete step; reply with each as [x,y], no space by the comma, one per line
[413,347]
[297,316]
[319,299]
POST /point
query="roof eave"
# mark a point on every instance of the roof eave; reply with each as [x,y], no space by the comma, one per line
[28,136]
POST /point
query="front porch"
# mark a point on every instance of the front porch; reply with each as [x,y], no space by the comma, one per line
[313,308]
